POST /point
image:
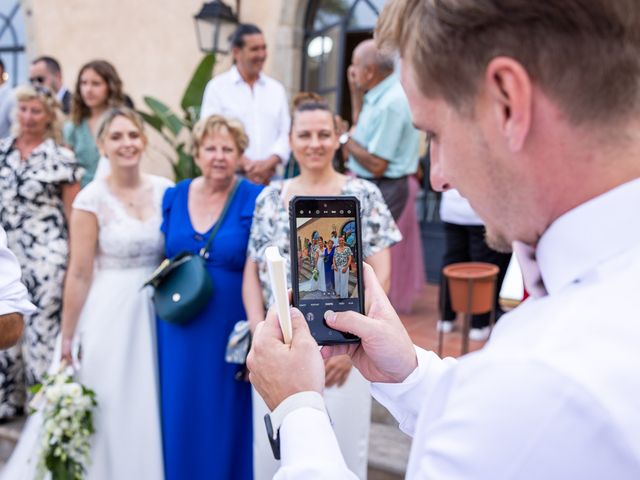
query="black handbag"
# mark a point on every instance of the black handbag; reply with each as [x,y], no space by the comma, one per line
[182,286]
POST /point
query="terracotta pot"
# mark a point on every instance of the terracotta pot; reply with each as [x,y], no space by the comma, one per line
[480,278]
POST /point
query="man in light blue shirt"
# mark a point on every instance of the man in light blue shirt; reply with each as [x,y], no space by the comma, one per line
[383,144]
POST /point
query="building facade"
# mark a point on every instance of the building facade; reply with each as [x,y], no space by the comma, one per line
[153,43]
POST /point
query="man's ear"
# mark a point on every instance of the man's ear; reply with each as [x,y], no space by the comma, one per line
[509,89]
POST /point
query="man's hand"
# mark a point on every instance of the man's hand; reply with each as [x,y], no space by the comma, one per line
[261,171]
[11,327]
[385,353]
[278,370]
[337,370]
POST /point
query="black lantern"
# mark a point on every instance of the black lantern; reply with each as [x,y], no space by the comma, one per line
[215,22]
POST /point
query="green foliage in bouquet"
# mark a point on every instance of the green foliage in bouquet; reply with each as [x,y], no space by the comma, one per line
[175,128]
[67,425]
[314,274]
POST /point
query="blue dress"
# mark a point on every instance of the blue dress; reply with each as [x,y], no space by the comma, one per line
[205,411]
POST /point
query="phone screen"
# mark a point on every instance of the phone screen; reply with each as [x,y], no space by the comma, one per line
[326,261]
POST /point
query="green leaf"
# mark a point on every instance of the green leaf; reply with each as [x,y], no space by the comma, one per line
[35,388]
[192,98]
[152,120]
[186,166]
[164,113]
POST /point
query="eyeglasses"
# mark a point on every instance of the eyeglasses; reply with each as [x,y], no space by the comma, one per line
[36,80]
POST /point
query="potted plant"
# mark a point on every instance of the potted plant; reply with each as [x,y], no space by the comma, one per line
[175,128]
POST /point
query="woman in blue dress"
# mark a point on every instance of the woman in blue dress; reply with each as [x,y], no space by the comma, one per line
[206,412]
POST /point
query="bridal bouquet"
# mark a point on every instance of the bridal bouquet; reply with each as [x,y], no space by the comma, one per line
[67,425]
[314,274]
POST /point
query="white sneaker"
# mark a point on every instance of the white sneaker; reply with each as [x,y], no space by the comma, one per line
[444,326]
[479,334]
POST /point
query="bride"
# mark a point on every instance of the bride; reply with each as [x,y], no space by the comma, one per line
[115,244]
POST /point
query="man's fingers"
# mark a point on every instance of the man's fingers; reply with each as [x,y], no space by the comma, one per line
[299,326]
[372,288]
[329,351]
[271,324]
[348,322]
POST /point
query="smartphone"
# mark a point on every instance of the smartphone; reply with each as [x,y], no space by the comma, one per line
[326,261]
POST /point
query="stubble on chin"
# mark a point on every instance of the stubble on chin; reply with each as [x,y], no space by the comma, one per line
[497,240]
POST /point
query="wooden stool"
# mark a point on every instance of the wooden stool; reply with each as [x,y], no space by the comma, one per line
[472,286]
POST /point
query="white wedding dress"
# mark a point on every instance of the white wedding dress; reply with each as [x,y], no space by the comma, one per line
[116,331]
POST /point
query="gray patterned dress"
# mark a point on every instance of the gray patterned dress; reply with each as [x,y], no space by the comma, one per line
[32,214]
[271,226]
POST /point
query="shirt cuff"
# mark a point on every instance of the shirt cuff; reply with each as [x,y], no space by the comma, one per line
[404,400]
[307,439]
[298,400]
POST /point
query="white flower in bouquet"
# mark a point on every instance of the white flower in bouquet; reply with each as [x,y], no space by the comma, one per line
[67,411]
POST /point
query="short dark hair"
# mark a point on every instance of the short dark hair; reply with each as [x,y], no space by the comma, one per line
[2,65]
[237,37]
[310,102]
[52,64]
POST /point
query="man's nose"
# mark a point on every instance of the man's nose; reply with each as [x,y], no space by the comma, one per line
[438,181]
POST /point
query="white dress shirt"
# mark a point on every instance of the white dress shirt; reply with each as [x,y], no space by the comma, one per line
[13,294]
[263,110]
[456,209]
[555,394]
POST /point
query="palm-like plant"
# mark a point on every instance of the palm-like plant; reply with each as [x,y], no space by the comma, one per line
[176,129]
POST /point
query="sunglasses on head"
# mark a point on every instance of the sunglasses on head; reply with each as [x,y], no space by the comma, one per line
[44,91]
[36,80]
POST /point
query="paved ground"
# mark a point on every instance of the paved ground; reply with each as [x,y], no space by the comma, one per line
[389,447]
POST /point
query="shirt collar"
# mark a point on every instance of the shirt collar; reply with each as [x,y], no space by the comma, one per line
[588,235]
[61,93]
[237,78]
[373,95]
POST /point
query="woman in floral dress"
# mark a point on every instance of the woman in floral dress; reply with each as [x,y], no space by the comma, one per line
[314,141]
[38,182]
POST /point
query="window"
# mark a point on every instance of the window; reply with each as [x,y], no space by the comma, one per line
[333,28]
[12,39]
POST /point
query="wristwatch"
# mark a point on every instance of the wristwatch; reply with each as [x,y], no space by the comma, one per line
[344,138]
[273,420]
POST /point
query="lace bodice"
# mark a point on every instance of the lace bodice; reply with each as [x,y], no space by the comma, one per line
[124,241]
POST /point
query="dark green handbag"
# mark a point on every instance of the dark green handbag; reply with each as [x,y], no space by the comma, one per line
[182,286]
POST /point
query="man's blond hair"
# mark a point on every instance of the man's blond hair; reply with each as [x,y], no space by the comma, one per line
[585,54]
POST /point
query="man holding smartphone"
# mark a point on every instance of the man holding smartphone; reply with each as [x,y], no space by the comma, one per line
[533,109]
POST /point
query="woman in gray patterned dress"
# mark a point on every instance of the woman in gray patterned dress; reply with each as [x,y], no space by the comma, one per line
[342,258]
[38,182]
[314,141]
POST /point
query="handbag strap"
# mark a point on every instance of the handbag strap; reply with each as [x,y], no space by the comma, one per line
[204,249]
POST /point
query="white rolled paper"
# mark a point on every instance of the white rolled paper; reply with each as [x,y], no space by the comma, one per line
[278,277]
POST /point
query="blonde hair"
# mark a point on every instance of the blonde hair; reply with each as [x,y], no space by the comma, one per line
[214,124]
[50,104]
[583,53]
[110,115]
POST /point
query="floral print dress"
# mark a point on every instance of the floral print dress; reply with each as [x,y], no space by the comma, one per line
[271,226]
[32,214]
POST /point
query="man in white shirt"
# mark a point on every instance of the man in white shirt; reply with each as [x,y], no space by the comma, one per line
[14,300]
[533,109]
[244,92]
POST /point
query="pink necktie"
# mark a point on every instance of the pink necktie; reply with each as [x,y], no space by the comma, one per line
[526,255]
